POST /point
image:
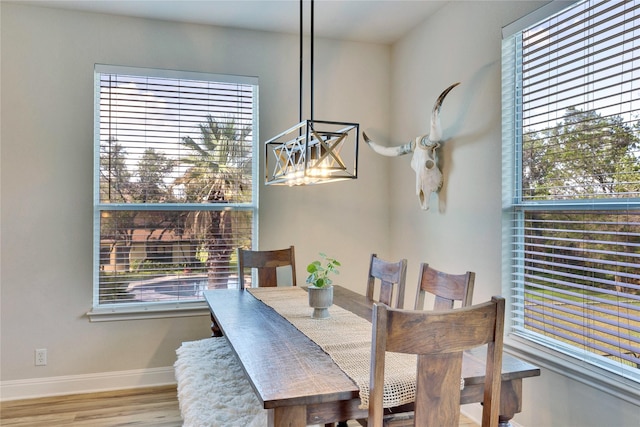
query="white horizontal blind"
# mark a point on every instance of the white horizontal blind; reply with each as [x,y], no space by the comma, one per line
[581,102]
[580,271]
[572,182]
[175,184]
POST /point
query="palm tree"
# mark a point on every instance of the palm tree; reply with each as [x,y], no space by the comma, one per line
[219,172]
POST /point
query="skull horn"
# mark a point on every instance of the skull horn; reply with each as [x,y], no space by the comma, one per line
[435,133]
[389,151]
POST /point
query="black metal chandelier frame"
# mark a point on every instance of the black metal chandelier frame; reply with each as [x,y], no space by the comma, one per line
[312,151]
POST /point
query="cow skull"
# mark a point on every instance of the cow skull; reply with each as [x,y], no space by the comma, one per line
[425,159]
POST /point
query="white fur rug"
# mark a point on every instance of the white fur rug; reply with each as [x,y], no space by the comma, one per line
[212,388]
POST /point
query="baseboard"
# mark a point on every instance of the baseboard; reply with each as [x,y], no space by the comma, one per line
[89,383]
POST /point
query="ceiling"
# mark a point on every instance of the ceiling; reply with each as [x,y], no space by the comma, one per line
[378,21]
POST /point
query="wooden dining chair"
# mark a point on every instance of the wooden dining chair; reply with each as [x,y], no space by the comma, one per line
[266,263]
[448,289]
[390,275]
[438,338]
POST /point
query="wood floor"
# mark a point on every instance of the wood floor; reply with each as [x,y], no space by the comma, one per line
[152,407]
[157,407]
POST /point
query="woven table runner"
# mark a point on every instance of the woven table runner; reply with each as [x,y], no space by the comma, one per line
[345,337]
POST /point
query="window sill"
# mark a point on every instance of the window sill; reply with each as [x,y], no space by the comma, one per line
[601,379]
[147,311]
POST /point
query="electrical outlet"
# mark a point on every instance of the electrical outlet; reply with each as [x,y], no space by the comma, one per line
[41,356]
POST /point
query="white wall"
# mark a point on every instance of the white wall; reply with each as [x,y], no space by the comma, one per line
[462,230]
[47,174]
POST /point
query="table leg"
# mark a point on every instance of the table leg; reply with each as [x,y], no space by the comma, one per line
[215,329]
[510,401]
[288,416]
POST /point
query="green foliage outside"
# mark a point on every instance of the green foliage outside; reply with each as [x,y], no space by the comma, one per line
[584,156]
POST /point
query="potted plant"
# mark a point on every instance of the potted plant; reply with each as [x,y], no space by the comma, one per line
[320,288]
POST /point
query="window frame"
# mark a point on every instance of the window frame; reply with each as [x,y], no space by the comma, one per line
[538,351]
[172,308]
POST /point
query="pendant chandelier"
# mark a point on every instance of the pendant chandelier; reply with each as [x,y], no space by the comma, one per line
[313,151]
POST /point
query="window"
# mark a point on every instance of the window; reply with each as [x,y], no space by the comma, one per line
[175,184]
[571,193]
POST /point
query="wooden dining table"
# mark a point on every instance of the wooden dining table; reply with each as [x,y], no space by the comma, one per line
[299,383]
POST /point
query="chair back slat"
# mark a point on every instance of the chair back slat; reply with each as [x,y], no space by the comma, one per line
[266,263]
[448,288]
[444,370]
[391,276]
